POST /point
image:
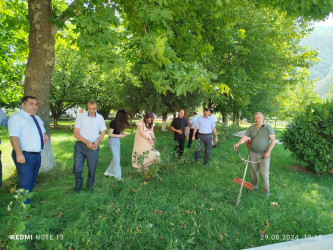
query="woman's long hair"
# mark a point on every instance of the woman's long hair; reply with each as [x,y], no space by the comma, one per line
[145,120]
[121,120]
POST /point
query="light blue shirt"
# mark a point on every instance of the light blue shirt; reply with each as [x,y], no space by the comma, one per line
[205,125]
[22,125]
[193,121]
[90,127]
[3,120]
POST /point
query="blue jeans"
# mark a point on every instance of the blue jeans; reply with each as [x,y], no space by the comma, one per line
[114,167]
[27,172]
[81,153]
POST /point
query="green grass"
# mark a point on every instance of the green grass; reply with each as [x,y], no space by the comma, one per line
[189,206]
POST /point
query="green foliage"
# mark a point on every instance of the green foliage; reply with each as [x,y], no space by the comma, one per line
[311,9]
[225,133]
[17,212]
[13,50]
[310,137]
[255,55]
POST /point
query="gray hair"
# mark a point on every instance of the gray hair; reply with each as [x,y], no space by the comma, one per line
[260,113]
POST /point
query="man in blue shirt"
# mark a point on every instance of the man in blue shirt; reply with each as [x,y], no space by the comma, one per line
[28,137]
[89,130]
[206,125]
[3,122]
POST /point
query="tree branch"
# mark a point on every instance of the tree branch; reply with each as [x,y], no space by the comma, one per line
[63,16]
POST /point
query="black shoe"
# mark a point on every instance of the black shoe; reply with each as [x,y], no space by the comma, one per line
[77,190]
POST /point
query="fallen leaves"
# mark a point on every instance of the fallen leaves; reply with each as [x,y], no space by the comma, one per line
[274,204]
[157,211]
[263,232]
[267,223]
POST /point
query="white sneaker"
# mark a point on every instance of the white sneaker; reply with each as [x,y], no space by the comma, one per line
[108,174]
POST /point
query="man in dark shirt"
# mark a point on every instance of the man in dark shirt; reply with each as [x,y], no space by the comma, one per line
[180,128]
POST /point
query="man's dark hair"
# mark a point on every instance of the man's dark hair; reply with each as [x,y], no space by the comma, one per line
[25,98]
[194,112]
[206,109]
[92,102]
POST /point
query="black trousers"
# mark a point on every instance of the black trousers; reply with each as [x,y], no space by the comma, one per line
[190,137]
[179,145]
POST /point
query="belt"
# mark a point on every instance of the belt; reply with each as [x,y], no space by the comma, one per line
[34,153]
[205,134]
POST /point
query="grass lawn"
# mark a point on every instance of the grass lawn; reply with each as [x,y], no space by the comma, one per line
[186,206]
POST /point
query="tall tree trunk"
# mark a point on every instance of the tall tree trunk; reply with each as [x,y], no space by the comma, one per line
[55,122]
[187,115]
[235,119]
[164,117]
[40,66]
[224,119]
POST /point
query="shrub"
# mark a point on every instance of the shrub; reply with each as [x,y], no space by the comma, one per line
[310,137]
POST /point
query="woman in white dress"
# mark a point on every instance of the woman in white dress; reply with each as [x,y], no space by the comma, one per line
[144,153]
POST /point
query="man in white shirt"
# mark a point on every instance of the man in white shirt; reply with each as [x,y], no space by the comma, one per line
[192,124]
[89,130]
[206,125]
[28,138]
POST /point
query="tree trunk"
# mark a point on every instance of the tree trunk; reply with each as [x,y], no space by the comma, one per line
[224,119]
[187,115]
[40,66]
[55,122]
[235,119]
[164,117]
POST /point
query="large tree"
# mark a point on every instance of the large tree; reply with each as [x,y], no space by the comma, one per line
[159,27]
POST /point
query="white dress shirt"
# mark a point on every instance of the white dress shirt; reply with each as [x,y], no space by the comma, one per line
[193,121]
[90,126]
[205,125]
[22,125]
